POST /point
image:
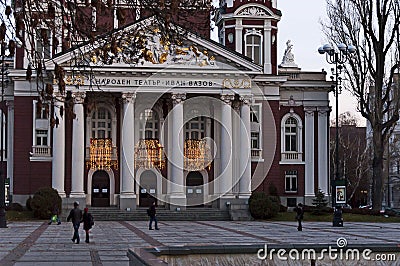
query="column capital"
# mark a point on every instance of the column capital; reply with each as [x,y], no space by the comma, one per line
[323,110]
[227,98]
[246,99]
[309,110]
[177,98]
[79,97]
[128,97]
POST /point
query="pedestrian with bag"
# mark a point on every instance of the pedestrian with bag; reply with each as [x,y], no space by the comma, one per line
[299,216]
[153,217]
[75,215]
[88,223]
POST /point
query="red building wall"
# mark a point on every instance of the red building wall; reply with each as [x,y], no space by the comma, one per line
[28,176]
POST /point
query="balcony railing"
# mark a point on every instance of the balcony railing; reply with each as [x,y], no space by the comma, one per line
[256,154]
[41,151]
[292,156]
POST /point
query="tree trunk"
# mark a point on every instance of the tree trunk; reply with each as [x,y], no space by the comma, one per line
[377,170]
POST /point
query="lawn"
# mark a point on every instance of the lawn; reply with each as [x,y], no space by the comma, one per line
[347,217]
[19,216]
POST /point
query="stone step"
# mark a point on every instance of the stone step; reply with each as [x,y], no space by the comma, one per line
[114,214]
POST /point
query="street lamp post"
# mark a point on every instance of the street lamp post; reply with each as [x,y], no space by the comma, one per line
[3,222]
[337,57]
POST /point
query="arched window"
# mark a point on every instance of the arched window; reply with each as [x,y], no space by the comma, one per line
[101,123]
[291,135]
[195,128]
[149,123]
[253,45]
[291,138]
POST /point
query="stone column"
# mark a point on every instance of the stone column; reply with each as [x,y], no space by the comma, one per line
[176,191]
[239,35]
[58,164]
[78,151]
[128,196]
[225,178]
[267,47]
[323,149]
[10,146]
[245,148]
[309,155]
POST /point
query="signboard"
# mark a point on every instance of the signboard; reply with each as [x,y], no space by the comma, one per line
[340,194]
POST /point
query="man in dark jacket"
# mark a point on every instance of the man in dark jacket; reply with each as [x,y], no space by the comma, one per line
[87,223]
[153,217]
[76,216]
[299,215]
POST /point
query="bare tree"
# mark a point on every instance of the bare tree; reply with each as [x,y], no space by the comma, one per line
[373,27]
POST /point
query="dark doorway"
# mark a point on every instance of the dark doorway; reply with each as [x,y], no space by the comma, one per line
[100,189]
[195,189]
[148,189]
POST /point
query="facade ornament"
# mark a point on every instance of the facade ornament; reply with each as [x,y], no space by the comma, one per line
[157,51]
[246,99]
[253,11]
[79,97]
[128,97]
[291,103]
[288,56]
[227,98]
[178,98]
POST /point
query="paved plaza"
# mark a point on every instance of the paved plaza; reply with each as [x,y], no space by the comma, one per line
[36,243]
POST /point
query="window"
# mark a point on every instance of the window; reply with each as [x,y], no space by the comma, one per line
[41,149]
[149,124]
[255,140]
[43,47]
[291,181]
[255,114]
[291,138]
[101,123]
[195,128]
[253,45]
[41,138]
[291,135]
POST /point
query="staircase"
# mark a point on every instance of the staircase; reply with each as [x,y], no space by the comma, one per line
[140,214]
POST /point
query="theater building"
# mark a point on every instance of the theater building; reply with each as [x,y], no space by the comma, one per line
[199,123]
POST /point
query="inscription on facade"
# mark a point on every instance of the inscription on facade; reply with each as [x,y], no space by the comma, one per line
[79,80]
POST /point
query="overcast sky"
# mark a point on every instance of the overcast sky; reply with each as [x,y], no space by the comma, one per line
[300,23]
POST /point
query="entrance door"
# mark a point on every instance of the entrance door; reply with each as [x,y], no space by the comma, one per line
[100,189]
[195,189]
[148,188]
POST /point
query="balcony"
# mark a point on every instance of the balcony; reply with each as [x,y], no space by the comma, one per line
[40,151]
[256,154]
[292,156]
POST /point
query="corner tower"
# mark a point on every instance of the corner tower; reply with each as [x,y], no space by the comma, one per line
[250,28]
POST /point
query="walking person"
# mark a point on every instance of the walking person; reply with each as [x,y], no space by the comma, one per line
[153,217]
[76,216]
[87,223]
[299,216]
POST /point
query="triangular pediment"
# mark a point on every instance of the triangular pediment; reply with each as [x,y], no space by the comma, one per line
[191,52]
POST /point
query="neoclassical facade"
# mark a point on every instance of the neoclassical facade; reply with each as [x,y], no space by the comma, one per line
[202,124]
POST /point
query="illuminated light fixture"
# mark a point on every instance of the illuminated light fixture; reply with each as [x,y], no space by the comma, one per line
[197,155]
[149,154]
[101,155]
